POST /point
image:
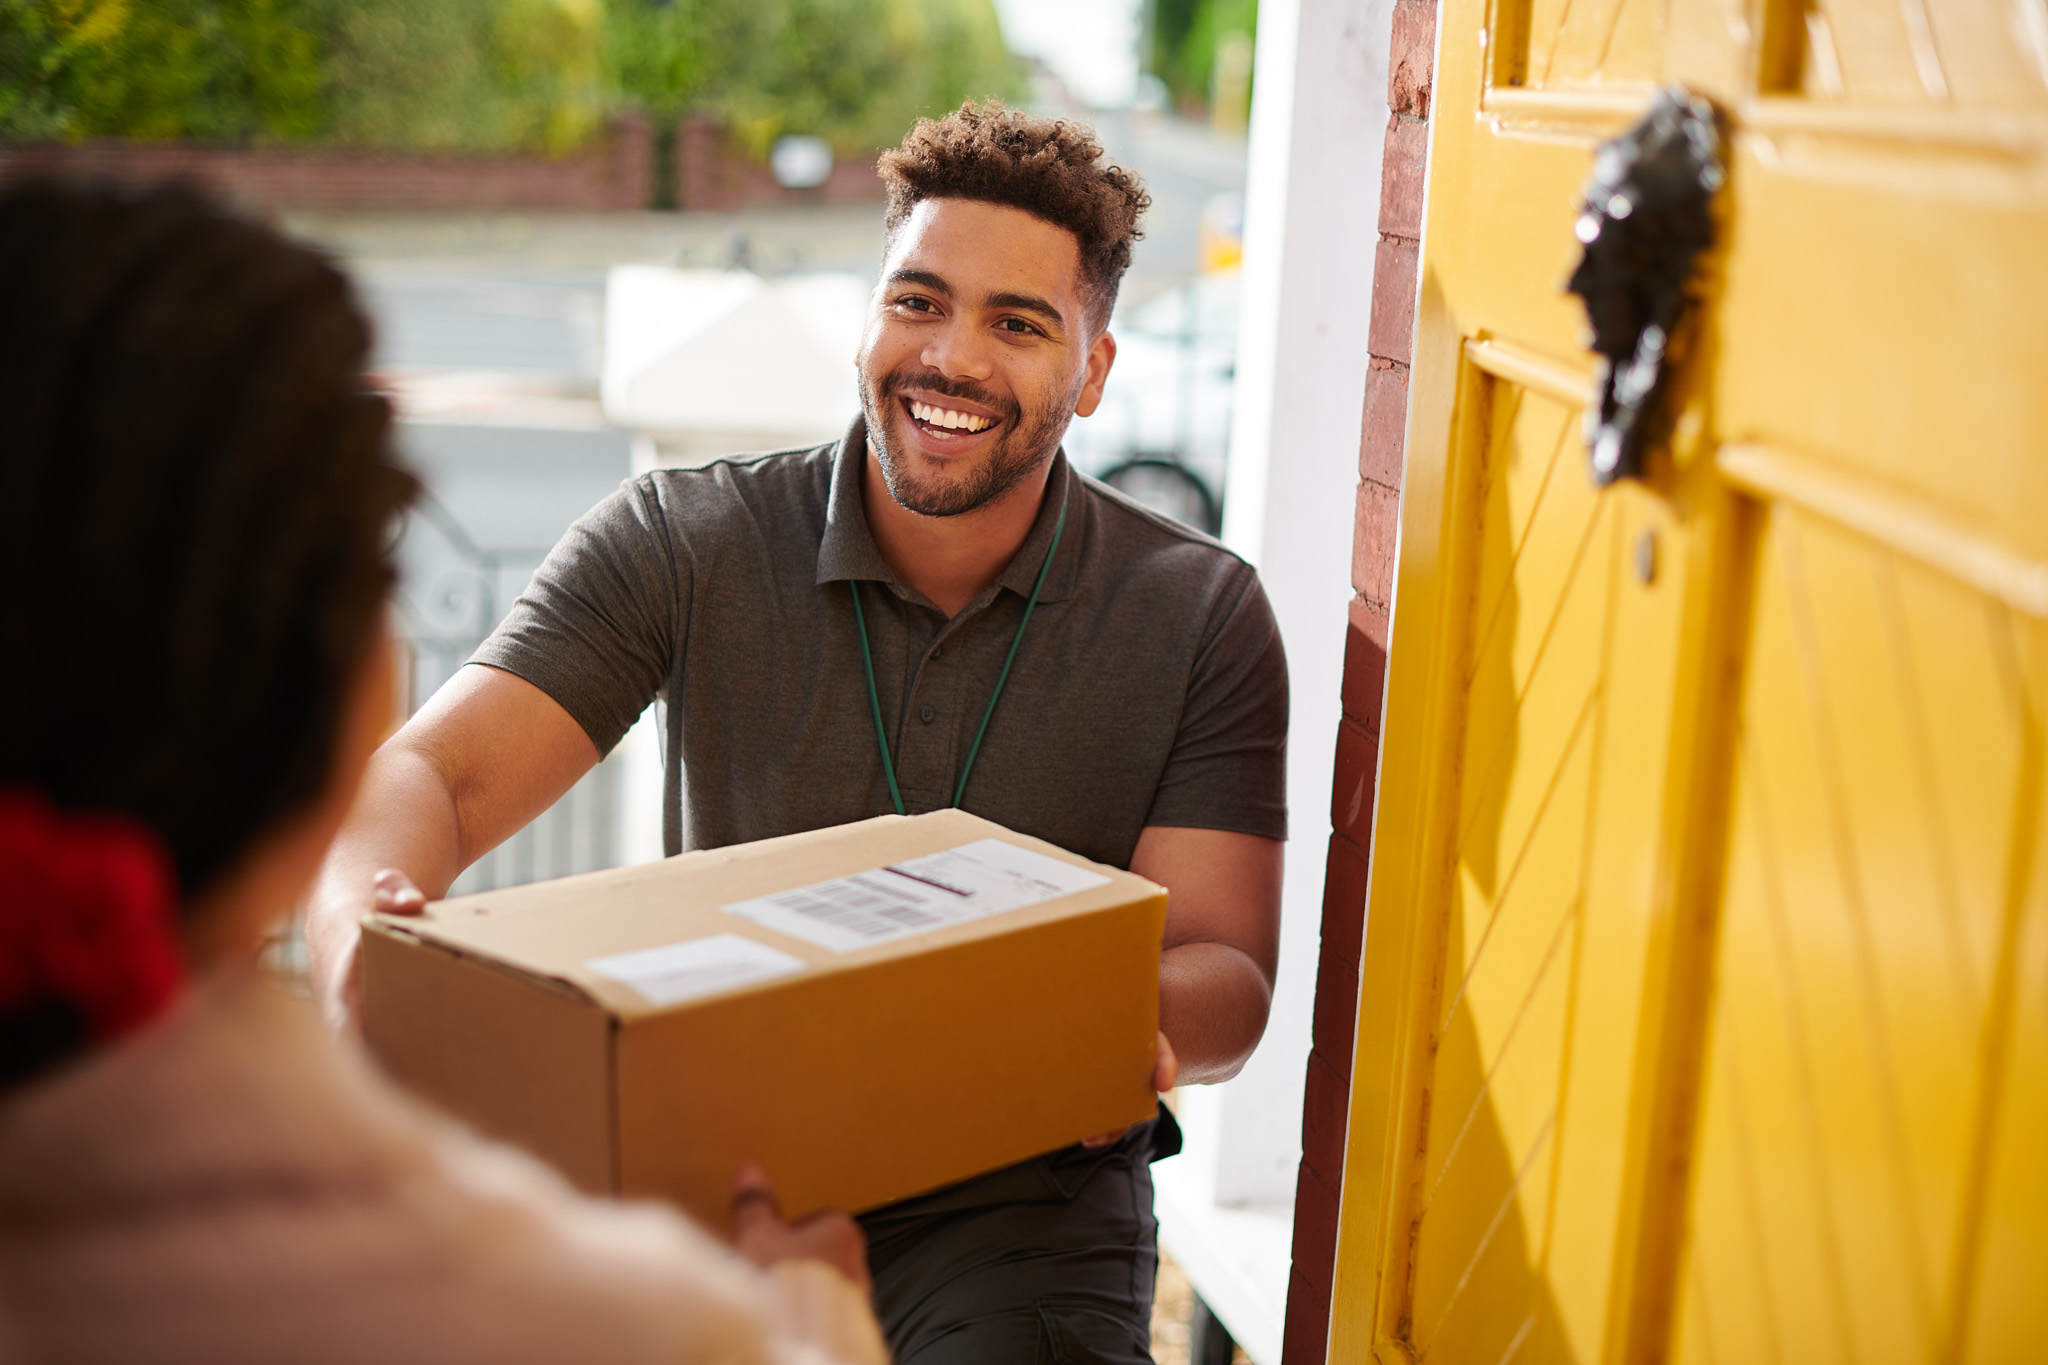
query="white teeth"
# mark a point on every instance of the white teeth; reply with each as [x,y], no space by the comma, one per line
[946,417]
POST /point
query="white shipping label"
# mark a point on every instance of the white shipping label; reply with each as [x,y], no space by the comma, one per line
[700,966]
[974,880]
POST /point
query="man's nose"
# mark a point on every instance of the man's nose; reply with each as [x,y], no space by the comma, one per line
[958,350]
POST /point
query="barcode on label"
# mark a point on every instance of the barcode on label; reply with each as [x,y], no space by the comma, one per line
[917,895]
[860,905]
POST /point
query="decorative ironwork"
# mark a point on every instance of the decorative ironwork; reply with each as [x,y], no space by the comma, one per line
[1646,220]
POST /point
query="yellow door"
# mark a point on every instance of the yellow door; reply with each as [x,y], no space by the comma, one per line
[1704,1009]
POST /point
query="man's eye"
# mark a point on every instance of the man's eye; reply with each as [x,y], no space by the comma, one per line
[916,303]
[1018,326]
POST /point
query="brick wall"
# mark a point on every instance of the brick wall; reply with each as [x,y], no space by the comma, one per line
[1390,340]
[616,172]
[711,174]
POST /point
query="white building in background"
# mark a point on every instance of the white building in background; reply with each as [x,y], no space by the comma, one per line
[683,349]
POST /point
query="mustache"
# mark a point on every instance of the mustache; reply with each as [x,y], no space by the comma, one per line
[931,382]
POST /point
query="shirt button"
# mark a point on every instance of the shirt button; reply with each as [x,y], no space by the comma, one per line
[927,714]
[937,650]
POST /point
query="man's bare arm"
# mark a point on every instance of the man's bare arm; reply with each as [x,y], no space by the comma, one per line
[1222,942]
[486,755]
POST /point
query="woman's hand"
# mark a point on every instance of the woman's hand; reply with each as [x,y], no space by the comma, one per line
[764,1238]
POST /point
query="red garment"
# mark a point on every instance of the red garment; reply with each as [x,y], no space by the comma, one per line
[88,915]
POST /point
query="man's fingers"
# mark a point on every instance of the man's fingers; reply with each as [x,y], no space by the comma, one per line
[754,1204]
[392,893]
[1165,1067]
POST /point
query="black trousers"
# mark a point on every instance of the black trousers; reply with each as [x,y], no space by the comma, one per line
[1050,1262]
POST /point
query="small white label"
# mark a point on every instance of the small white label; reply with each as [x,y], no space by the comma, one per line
[975,880]
[700,966]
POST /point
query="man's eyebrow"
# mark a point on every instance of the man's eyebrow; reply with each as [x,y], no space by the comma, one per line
[1030,303]
[935,283]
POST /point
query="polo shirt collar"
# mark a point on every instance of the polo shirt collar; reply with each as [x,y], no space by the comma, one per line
[847,550]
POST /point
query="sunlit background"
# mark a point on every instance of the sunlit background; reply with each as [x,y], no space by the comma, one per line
[599,236]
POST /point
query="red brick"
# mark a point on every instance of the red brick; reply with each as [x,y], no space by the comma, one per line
[1337,963]
[1344,886]
[1375,538]
[613,172]
[1392,332]
[1411,57]
[712,173]
[1336,1017]
[1315,1228]
[1404,176]
[1383,432]
[1326,1107]
[1307,1339]
[1351,792]
[1365,664]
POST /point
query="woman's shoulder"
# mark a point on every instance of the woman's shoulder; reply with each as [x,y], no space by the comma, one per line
[235,1181]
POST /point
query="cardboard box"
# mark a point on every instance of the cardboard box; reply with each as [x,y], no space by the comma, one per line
[870,1012]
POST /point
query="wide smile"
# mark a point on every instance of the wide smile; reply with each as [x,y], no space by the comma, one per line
[946,427]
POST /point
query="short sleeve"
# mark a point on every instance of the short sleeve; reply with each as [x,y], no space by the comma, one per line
[1228,766]
[596,628]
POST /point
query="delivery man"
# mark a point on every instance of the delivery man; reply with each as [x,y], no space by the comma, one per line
[935,610]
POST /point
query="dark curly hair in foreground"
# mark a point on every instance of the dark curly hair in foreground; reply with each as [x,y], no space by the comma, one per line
[1050,168]
[196,493]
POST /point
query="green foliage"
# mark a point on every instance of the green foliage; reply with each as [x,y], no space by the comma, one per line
[857,72]
[487,75]
[211,70]
[464,75]
[1184,38]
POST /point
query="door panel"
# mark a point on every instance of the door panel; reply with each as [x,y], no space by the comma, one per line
[1704,1009]
[1880,772]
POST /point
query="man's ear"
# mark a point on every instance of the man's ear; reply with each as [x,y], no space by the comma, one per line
[1101,356]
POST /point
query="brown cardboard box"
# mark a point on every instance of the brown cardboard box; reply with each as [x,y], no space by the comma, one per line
[650,1029]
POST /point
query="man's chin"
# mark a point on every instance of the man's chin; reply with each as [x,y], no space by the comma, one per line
[929,497]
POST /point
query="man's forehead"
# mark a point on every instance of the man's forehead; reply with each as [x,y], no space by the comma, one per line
[982,249]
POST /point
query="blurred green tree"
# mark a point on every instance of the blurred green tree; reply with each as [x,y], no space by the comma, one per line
[856,72]
[464,75]
[1185,38]
[488,75]
[223,71]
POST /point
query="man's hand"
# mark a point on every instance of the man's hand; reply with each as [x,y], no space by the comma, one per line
[391,893]
[484,756]
[764,1238]
[1165,1070]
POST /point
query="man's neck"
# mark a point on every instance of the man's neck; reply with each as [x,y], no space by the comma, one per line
[950,559]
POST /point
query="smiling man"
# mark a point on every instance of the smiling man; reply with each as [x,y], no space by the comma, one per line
[935,610]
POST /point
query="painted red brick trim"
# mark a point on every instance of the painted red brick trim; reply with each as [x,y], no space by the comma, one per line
[1404,178]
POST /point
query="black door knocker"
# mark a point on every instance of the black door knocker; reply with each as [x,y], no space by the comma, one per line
[1647,217]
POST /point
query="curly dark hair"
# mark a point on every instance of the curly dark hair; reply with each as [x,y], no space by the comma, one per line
[196,497]
[1050,168]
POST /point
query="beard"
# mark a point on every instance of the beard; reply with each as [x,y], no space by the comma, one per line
[1025,442]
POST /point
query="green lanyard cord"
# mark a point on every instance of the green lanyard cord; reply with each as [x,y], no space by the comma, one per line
[867,660]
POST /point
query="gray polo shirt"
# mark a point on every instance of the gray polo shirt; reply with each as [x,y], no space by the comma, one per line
[1149,688]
